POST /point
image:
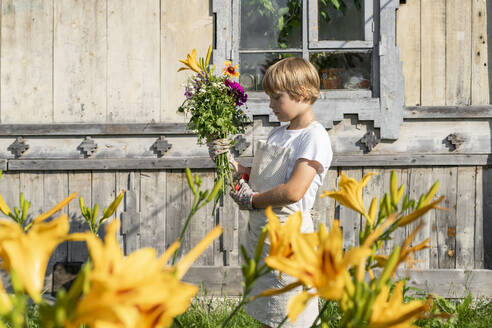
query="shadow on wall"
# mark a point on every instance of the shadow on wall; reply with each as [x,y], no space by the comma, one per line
[487,172]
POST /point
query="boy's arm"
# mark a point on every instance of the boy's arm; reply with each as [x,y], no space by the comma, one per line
[293,190]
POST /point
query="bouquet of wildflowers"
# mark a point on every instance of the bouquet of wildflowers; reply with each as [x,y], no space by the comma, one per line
[215,104]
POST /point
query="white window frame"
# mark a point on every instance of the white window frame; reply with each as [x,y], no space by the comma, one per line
[383,105]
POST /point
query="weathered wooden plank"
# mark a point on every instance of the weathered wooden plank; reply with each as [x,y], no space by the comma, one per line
[454,283]
[349,219]
[3,164]
[203,221]
[396,160]
[103,193]
[324,208]
[26,61]
[198,34]
[408,38]
[84,129]
[375,188]
[133,61]
[31,185]
[174,208]
[399,235]
[80,182]
[465,218]
[448,112]
[446,220]
[10,188]
[479,219]
[153,210]
[80,61]
[480,85]
[420,181]
[458,50]
[55,189]
[129,181]
[487,217]
[433,53]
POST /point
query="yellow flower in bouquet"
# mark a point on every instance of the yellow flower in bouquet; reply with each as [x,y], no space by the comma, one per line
[350,194]
[28,253]
[134,291]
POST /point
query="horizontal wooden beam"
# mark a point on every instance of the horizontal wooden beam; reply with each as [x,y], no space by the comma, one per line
[448,112]
[400,160]
[449,283]
[89,129]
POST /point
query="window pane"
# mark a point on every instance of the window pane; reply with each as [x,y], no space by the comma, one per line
[254,66]
[271,24]
[344,23]
[348,70]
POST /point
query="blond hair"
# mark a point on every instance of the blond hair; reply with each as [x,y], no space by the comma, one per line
[293,75]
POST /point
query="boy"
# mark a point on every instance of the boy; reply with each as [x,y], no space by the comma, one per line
[286,173]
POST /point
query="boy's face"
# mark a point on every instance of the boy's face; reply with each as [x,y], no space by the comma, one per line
[286,108]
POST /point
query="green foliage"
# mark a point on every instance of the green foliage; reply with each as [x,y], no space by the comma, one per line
[91,214]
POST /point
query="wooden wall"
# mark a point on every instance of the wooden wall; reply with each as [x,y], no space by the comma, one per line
[164,200]
[444,50]
[97,60]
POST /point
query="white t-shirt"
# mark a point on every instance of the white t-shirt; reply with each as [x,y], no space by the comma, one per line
[311,143]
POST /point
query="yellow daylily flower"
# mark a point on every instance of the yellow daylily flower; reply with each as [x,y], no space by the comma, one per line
[4,207]
[134,291]
[280,236]
[28,253]
[393,312]
[350,194]
[191,63]
[323,267]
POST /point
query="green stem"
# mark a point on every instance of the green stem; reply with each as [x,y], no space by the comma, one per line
[323,309]
[239,306]
[181,236]
[283,321]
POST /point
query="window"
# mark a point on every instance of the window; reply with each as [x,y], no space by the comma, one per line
[353,47]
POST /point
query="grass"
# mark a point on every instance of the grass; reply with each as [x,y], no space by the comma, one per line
[209,312]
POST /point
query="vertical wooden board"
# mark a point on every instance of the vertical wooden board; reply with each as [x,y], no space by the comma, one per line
[153,210]
[487,217]
[174,205]
[446,220]
[26,61]
[479,218]
[433,52]
[133,61]
[480,85]
[191,20]
[375,188]
[123,183]
[324,208]
[350,219]
[31,185]
[80,61]
[10,188]
[186,204]
[408,40]
[80,182]
[203,221]
[243,219]
[420,181]
[55,189]
[458,50]
[465,218]
[103,193]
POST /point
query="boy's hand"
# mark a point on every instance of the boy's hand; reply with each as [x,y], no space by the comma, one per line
[243,195]
[217,147]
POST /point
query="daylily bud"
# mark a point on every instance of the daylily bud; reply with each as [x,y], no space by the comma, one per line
[189,178]
[215,190]
[114,205]
[95,211]
[432,192]
[3,207]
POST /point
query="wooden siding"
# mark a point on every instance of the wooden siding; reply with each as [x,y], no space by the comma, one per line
[97,60]
[444,50]
[456,236]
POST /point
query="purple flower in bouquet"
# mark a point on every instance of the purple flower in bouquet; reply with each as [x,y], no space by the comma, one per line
[236,91]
